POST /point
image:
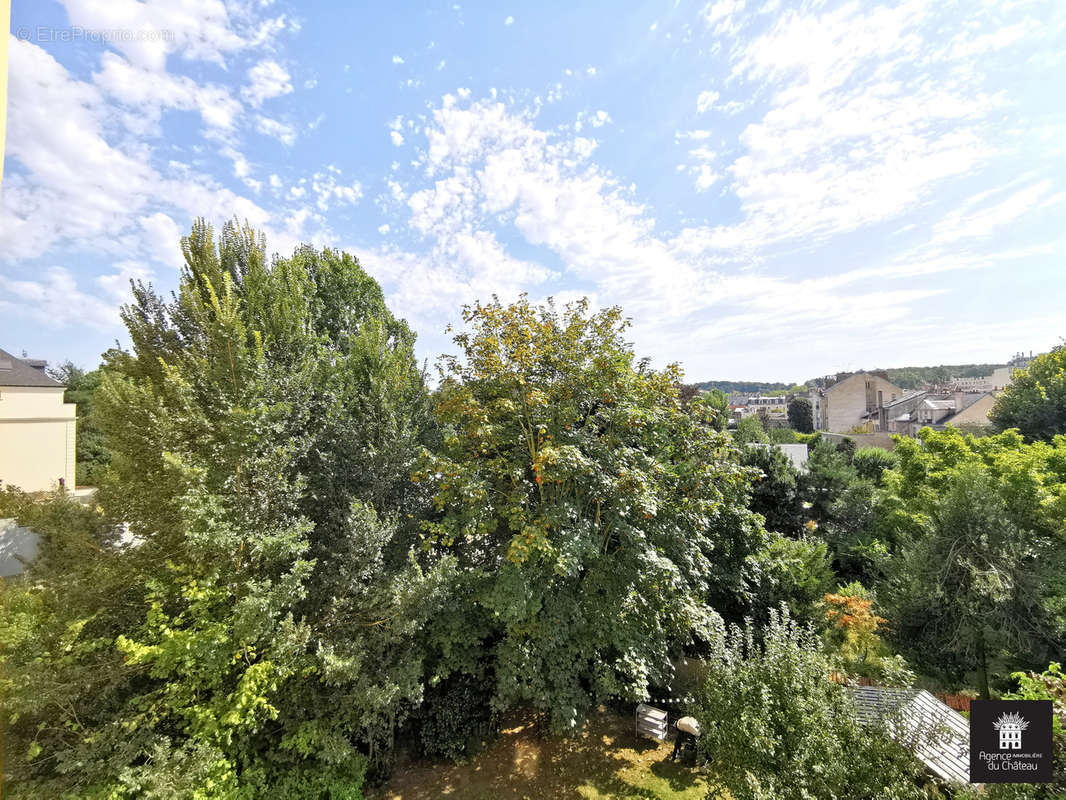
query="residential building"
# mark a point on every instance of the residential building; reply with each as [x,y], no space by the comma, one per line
[37,428]
[900,415]
[971,410]
[1000,379]
[922,409]
[850,403]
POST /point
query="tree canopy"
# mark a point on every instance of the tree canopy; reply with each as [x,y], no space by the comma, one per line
[982,551]
[595,517]
[1035,403]
[264,641]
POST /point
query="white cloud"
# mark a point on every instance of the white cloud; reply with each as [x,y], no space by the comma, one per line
[149,92]
[705,102]
[163,238]
[719,15]
[117,284]
[283,132]
[204,30]
[383,229]
[397,60]
[966,224]
[509,21]
[397,137]
[56,301]
[595,119]
[847,111]
[330,191]
[267,79]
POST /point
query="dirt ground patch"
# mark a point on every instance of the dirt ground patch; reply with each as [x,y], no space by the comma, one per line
[606,762]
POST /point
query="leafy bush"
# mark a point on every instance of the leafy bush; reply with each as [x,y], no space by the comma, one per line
[782,435]
[777,728]
[870,462]
[456,718]
[793,572]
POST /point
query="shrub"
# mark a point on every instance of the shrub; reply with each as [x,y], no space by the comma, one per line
[777,727]
[456,718]
[782,435]
[870,462]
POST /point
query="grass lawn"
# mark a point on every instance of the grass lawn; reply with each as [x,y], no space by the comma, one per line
[607,762]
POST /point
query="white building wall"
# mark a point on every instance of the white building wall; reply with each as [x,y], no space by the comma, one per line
[37,438]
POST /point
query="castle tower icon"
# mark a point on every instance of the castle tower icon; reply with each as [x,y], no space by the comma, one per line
[1010,727]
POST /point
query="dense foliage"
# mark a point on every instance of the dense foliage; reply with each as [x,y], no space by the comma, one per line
[777,727]
[979,574]
[300,555]
[91,455]
[743,387]
[776,493]
[264,638]
[750,429]
[598,521]
[1035,403]
[801,415]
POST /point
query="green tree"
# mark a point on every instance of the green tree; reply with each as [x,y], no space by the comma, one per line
[91,455]
[270,636]
[1035,403]
[593,516]
[750,429]
[775,492]
[716,403]
[871,462]
[976,583]
[801,415]
[829,474]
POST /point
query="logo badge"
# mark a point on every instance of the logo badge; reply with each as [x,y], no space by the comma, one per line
[1010,741]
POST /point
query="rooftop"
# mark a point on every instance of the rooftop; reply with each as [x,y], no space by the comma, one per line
[24,372]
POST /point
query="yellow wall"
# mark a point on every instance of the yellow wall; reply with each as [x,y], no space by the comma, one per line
[37,431]
[976,414]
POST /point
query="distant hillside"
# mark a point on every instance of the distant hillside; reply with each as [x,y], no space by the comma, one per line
[915,377]
[750,387]
[903,377]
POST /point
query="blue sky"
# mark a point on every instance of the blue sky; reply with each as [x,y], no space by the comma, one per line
[770,190]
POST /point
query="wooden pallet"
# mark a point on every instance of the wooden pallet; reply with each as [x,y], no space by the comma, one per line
[651,722]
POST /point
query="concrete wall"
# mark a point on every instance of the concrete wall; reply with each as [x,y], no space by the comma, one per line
[37,436]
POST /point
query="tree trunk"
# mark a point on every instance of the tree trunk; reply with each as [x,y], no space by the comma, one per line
[982,667]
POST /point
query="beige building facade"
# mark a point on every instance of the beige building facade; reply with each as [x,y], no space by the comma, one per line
[37,429]
[850,402]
